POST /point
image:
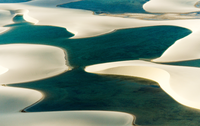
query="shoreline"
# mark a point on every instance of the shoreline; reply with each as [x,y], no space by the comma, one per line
[91,25]
[168,77]
[25,67]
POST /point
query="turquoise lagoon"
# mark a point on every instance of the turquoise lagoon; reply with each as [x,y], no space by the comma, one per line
[78,90]
[108,6]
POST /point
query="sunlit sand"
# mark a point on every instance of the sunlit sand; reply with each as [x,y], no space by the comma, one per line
[27,62]
[181,83]
[171,6]
[84,24]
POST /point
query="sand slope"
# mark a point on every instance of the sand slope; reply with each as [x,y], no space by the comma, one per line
[181,83]
[71,118]
[25,62]
[84,24]
[171,6]
[29,62]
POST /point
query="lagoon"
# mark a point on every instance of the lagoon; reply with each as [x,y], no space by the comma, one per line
[78,90]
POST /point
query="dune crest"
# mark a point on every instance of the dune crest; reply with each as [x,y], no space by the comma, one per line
[3,70]
[171,6]
[181,83]
[85,24]
[29,62]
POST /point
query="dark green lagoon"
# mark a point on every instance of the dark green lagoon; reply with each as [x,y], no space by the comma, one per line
[127,44]
[78,90]
[108,6]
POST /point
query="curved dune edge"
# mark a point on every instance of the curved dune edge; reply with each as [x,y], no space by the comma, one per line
[181,83]
[85,24]
[19,96]
[78,118]
[26,17]
[29,62]
[171,6]
[14,99]
[3,70]
[70,118]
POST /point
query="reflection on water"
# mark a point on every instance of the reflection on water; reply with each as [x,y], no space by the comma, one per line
[78,90]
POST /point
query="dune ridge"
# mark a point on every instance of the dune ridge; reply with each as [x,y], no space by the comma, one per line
[84,24]
[171,6]
[29,62]
[3,70]
[181,83]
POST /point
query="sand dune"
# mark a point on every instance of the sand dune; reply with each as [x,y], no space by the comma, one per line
[171,6]
[13,100]
[29,62]
[84,24]
[71,118]
[3,70]
[181,83]
[24,62]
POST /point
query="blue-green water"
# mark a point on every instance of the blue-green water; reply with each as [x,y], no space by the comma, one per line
[108,6]
[78,90]
[128,44]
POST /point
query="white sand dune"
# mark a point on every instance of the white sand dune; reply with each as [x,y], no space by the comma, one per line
[28,62]
[70,118]
[13,100]
[181,83]
[3,70]
[84,24]
[171,6]
[25,62]
[22,63]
